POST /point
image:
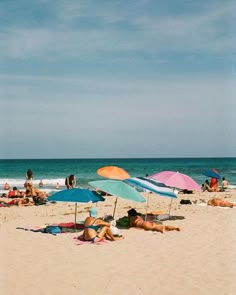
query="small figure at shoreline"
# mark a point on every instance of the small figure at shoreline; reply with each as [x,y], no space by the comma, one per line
[224,183]
[6,186]
[70,181]
[40,183]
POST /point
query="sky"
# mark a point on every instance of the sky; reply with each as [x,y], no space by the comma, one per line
[117,79]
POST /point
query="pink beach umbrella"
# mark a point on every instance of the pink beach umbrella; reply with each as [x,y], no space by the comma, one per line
[176,180]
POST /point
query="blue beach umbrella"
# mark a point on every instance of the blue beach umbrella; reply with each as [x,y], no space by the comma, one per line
[210,173]
[76,195]
[119,189]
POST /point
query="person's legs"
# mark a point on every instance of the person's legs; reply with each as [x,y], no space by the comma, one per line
[170,227]
[224,203]
[147,225]
[106,232]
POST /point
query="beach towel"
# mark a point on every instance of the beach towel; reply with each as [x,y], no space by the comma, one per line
[81,241]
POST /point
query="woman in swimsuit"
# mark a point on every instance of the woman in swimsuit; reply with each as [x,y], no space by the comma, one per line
[136,221]
[96,229]
[220,203]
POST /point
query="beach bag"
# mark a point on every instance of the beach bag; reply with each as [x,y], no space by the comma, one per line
[185,202]
[52,229]
[123,222]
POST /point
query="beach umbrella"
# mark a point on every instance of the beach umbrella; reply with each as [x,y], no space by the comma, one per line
[211,173]
[176,180]
[113,172]
[147,184]
[76,195]
[118,188]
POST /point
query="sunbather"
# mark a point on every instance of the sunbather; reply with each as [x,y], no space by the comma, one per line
[137,221]
[96,229]
[18,202]
[220,202]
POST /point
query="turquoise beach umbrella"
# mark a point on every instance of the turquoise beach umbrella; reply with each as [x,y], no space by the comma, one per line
[119,189]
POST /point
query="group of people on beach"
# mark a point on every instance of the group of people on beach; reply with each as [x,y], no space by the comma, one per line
[213,185]
[28,197]
[96,229]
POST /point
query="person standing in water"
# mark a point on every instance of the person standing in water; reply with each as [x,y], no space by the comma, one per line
[29,177]
[70,181]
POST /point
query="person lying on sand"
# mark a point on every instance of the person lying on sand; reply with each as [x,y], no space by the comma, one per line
[96,229]
[137,221]
[220,202]
[18,202]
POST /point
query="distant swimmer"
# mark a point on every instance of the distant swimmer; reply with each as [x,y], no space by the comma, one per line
[57,185]
[40,183]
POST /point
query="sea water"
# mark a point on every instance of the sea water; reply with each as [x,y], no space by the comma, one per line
[53,171]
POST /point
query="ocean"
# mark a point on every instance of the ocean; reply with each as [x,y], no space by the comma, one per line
[51,171]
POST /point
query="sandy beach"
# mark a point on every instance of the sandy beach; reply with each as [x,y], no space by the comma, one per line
[198,260]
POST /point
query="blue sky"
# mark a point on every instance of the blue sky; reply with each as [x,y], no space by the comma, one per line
[91,79]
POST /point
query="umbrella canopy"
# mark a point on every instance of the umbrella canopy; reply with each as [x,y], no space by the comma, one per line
[144,183]
[211,173]
[177,180]
[113,172]
[151,185]
[76,195]
[119,189]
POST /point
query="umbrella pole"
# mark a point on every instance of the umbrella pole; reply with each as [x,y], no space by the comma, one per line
[170,207]
[114,208]
[75,216]
[147,207]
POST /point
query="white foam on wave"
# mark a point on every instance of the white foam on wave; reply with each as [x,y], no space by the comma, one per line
[19,183]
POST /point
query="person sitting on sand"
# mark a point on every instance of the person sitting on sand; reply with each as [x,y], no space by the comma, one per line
[220,203]
[224,183]
[39,197]
[13,193]
[96,229]
[208,188]
[137,221]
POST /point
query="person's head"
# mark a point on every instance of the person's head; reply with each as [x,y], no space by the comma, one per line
[26,201]
[132,212]
[223,178]
[93,212]
[14,188]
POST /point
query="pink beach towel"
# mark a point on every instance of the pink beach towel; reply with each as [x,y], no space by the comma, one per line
[80,241]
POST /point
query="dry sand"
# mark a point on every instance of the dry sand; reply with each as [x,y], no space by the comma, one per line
[199,260]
